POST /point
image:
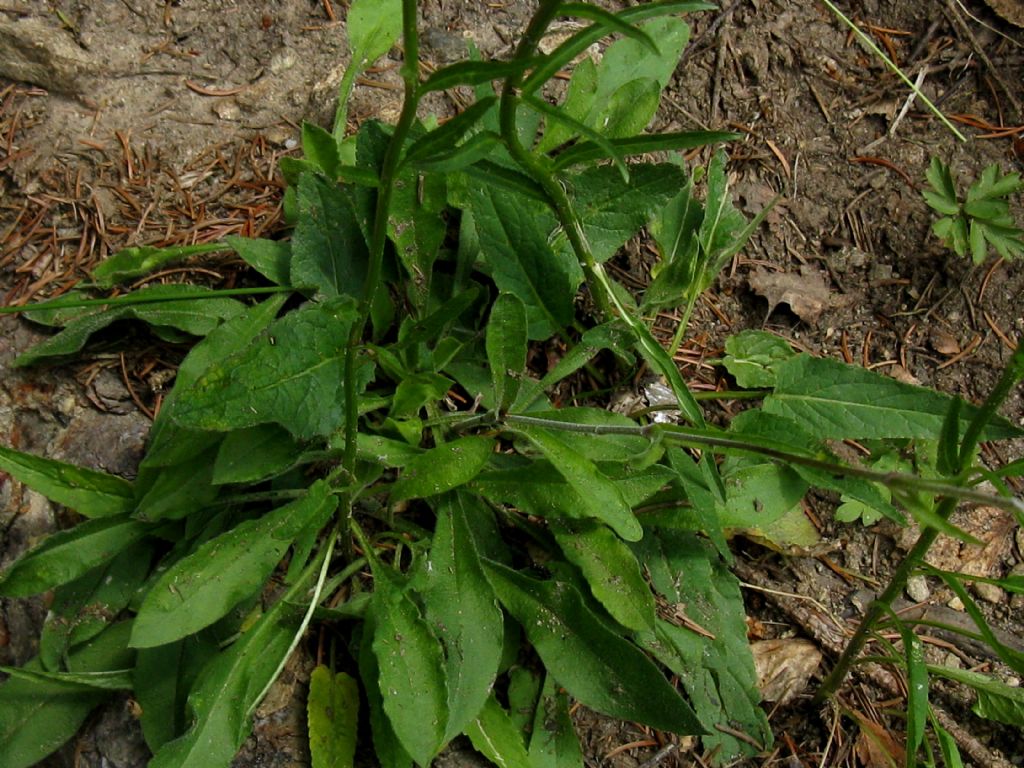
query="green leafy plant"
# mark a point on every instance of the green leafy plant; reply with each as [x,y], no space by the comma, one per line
[979,219]
[371,448]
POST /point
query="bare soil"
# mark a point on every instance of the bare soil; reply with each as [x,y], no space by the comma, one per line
[132,123]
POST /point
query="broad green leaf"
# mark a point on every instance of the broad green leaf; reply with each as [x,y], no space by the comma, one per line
[630,78]
[841,402]
[67,555]
[329,253]
[89,492]
[332,714]
[598,667]
[715,666]
[201,588]
[129,263]
[192,309]
[163,678]
[291,374]
[271,258]
[254,454]
[578,100]
[513,234]
[383,451]
[228,688]
[613,210]
[418,228]
[583,39]
[752,357]
[37,717]
[601,498]
[996,700]
[412,669]
[443,468]
[610,569]
[758,493]
[460,604]
[506,348]
[373,26]
[496,737]
[554,743]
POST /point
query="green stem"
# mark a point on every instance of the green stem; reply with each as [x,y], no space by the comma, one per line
[378,241]
[1012,374]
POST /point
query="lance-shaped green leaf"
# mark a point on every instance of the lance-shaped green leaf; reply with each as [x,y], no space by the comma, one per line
[513,232]
[229,687]
[838,401]
[714,663]
[610,568]
[613,210]
[329,253]
[600,668]
[67,555]
[443,468]
[589,152]
[163,678]
[601,498]
[411,667]
[506,348]
[446,136]
[417,228]
[37,716]
[332,714]
[89,492]
[291,374]
[373,27]
[129,263]
[553,743]
[192,309]
[460,604]
[496,737]
[201,588]
[88,605]
[471,73]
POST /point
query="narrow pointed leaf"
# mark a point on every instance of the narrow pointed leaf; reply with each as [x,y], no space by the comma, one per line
[602,499]
[137,261]
[89,492]
[600,668]
[460,604]
[66,555]
[229,687]
[201,588]
[496,737]
[554,743]
[506,348]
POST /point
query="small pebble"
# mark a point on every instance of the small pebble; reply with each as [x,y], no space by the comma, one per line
[918,589]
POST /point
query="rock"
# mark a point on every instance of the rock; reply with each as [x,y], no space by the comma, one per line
[918,589]
[37,52]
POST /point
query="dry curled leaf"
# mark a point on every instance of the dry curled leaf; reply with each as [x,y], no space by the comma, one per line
[784,667]
[806,293]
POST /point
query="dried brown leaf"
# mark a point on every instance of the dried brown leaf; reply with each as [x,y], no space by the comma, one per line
[784,667]
[806,293]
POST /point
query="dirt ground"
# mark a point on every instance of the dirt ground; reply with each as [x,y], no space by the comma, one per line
[124,122]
